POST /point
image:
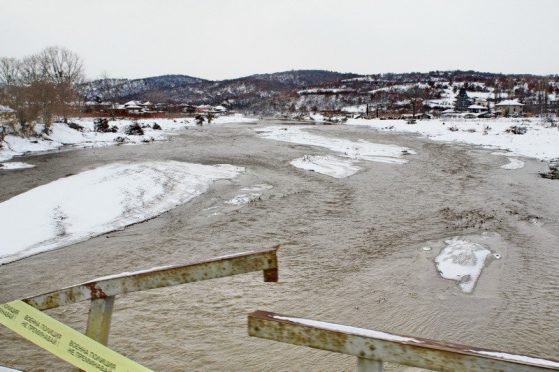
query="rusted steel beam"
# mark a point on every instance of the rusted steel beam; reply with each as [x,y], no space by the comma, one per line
[380,346]
[161,277]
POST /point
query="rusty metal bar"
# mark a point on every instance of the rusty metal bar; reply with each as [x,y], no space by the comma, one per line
[384,347]
[104,287]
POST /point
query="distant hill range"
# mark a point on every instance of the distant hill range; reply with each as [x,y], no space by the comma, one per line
[296,89]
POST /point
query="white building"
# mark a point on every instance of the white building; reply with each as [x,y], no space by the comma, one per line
[510,107]
[476,109]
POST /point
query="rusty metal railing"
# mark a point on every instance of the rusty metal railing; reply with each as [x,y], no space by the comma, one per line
[102,291]
[373,348]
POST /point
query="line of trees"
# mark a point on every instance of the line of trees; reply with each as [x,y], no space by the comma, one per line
[40,87]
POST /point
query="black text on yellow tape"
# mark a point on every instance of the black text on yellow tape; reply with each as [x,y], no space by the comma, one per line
[63,341]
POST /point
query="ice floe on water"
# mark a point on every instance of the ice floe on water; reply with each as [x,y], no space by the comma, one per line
[15,165]
[329,165]
[463,261]
[513,164]
[359,150]
[97,201]
[249,194]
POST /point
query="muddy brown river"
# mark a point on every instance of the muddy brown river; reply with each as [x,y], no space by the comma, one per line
[351,253]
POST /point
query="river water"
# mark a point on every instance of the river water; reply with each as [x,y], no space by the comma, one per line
[351,252]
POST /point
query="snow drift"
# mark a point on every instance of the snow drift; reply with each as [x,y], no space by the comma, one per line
[97,201]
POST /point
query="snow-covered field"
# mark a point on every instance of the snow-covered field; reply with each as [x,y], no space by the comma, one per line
[97,201]
[462,261]
[540,141]
[235,118]
[62,134]
[358,150]
[329,165]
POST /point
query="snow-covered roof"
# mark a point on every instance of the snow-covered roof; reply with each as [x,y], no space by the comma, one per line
[449,111]
[147,103]
[326,91]
[477,107]
[5,109]
[132,103]
[132,107]
[509,102]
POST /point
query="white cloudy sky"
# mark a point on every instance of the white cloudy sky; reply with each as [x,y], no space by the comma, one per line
[218,39]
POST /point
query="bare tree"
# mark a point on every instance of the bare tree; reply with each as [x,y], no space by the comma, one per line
[415,95]
[64,69]
[110,90]
[16,94]
[42,85]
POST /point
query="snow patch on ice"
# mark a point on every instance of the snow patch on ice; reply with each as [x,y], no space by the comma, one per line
[513,164]
[94,202]
[360,150]
[15,165]
[348,329]
[462,261]
[329,165]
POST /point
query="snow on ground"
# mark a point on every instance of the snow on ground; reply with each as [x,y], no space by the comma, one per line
[357,109]
[235,118]
[62,134]
[540,141]
[329,165]
[462,261]
[97,201]
[359,150]
[513,164]
[249,194]
[15,165]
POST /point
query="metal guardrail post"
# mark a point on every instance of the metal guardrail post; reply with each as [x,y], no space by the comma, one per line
[369,365]
[373,348]
[99,319]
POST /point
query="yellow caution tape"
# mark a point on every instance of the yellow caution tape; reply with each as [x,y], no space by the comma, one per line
[63,341]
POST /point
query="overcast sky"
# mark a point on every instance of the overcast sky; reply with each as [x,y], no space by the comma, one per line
[219,39]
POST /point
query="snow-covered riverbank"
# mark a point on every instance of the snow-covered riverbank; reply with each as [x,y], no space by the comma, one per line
[94,202]
[541,141]
[62,135]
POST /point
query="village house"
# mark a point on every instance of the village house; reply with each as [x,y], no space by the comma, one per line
[147,106]
[133,107]
[477,109]
[7,115]
[510,107]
